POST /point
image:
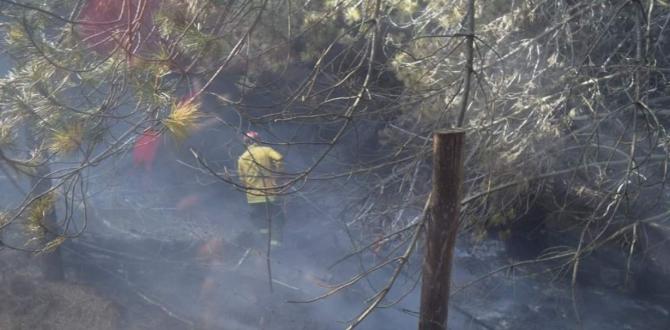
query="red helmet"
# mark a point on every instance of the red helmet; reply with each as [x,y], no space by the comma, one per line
[251,137]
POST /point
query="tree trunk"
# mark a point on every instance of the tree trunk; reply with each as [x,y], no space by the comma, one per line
[441,228]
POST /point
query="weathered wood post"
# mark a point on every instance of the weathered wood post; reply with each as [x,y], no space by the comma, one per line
[441,228]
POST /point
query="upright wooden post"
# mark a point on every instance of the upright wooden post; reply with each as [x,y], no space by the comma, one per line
[441,228]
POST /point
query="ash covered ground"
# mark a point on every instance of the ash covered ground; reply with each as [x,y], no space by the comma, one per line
[155,259]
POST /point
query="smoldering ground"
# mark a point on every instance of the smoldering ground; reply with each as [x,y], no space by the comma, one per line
[170,248]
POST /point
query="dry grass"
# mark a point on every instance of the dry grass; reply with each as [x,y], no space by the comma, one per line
[31,303]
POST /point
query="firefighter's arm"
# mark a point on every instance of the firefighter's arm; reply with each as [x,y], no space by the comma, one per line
[241,170]
[277,160]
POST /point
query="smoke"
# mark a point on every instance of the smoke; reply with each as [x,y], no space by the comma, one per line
[171,247]
[175,241]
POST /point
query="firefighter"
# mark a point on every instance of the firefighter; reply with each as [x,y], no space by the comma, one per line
[258,168]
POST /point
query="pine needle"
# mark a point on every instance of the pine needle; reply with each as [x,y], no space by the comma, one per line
[51,245]
[15,34]
[4,218]
[183,119]
[37,212]
[6,133]
[67,140]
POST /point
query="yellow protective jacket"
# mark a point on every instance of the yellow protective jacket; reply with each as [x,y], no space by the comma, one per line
[257,168]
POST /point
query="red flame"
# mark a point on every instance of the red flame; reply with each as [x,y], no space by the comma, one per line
[144,152]
[112,24]
[188,202]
